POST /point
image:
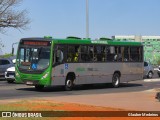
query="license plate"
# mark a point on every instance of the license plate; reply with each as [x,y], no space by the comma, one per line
[11,76]
[29,83]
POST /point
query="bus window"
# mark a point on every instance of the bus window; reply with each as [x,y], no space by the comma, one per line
[35,54]
[22,56]
[118,54]
[126,54]
[99,53]
[73,53]
[103,53]
[59,54]
[136,53]
[85,57]
[27,55]
[77,54]
[43,56]
[91,53]
[34,58]
[110,53]
[140,54]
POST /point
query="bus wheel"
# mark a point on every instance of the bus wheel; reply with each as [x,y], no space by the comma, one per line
[69,84]
[116,80]
[39,87]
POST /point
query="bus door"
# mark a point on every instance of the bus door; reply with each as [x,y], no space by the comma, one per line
[58,72]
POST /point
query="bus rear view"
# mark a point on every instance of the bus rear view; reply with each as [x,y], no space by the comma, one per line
[33,62]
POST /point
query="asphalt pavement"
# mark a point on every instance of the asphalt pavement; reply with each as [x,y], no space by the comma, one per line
[135,95]
[14,91]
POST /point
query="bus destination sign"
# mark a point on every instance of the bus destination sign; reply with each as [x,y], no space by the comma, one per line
[37,43]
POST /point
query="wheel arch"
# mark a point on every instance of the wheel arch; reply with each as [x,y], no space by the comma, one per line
[72,75]
[69,82]
[118,72]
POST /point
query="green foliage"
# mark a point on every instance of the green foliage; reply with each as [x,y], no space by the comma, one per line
[6,55]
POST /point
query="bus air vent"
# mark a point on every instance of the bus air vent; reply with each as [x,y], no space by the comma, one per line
[86,38]
[48,37]
[105,38]
[72,37]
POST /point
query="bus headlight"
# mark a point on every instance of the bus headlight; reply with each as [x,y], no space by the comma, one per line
[45,76]
[17,74]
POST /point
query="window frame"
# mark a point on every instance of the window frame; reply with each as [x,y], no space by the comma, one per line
[65,53]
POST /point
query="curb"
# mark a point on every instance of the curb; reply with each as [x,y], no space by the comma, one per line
[151,80]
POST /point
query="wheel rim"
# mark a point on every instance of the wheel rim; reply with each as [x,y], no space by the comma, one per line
[116,81]
[69,83]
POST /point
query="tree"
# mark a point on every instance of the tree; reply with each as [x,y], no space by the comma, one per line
[10,18]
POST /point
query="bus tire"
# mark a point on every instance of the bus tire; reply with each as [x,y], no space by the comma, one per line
[39,87]
[115,80]
[69,84]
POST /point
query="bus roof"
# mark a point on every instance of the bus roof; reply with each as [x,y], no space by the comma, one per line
[87,41]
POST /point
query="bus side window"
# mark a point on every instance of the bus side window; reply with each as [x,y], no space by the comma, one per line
[126,54]
[99,53]
[77,53]
[119,53]
[141,54]
[85,54]
[59,55]
[70,53]
[107,53]
[91,53]
[111,54]
[134,53]
[73,53]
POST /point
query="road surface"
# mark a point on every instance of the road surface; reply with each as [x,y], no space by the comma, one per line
[13,91]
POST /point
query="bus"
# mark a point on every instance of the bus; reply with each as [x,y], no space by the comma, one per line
[47,61]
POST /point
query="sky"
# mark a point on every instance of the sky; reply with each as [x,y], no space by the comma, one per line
[62,18]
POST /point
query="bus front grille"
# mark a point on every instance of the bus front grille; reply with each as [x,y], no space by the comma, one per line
[30,77]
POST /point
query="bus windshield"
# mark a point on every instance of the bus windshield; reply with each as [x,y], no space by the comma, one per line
[33,58]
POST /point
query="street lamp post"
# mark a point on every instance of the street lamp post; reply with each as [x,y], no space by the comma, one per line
[87,19]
